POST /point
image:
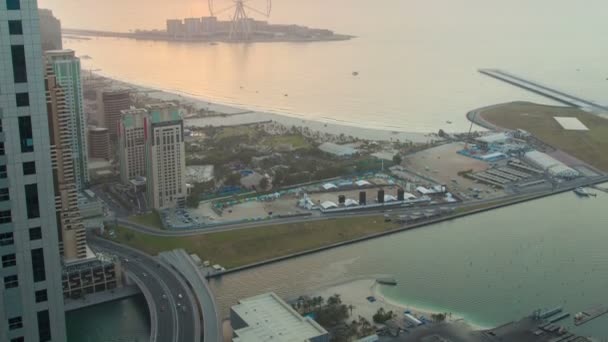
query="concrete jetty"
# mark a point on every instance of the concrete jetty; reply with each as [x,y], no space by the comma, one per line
[556,95]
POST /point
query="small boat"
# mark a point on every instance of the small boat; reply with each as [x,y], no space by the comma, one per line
[355,73]
[213,43]
[449,122]
[387,281]
[582,192]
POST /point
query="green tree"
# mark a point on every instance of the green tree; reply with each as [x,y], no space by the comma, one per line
[264,183]
[397,159]
[233,179]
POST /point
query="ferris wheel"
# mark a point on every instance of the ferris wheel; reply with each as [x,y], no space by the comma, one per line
[241,11]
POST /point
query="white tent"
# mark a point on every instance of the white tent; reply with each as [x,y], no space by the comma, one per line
[328,205]
[351,203]
[329,186]
[362,183]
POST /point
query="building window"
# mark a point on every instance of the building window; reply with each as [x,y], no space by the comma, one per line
[19,65]
[4,195]
[3,174]
[6,239]
[15,27]
[38,265]
[18,339]
[44,326]
[23,99]
[35,233]
[11,282]
[6,216]
[41,296]
[9,260]
[25,133]
[2,149]
[29,168]
[15,323]
[31,201]
[13,5]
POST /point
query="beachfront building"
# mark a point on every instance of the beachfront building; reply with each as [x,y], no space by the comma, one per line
[31,305]
[66,67]
[175,28]
[50,31]
[267,317]
[165,156]
[192,27]
[99,143]
[131,145]
[113,102]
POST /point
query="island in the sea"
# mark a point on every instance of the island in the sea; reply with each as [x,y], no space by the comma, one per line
[210,29]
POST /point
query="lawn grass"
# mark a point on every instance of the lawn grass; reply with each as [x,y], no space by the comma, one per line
[588,146]
[296,141]
[245,246]
[235,131]
[151,220]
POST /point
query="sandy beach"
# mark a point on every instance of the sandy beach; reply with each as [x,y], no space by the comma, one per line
[356,292]
[234,115]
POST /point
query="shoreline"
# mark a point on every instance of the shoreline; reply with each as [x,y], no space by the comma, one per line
[355,292]
[234,115]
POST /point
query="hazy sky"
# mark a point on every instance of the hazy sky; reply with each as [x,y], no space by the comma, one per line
[130,14]
[358,17]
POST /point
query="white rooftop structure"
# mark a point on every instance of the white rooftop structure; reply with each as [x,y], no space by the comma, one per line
[328,205]
[330,186]
[496,138]
[571,124]
[351,202]
[363,183]
[338,150]
[551,165]
[268,318]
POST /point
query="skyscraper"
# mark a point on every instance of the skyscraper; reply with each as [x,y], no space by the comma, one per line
[113,102]
[31,304]
[72,238]
[165,156]
[67,71]
[50,31]
[131,148]
[99,143]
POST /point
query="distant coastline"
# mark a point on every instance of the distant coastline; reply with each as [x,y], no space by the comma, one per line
[223,38]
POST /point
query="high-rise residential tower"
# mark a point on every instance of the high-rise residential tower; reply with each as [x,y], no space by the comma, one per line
[31,304]
[50,31]
[131,147]
[72,237]
[112,103]
[165,156]
[67,71]
[99,143]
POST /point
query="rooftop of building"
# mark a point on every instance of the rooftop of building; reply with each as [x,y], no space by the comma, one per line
[270,318]
[60,53]
[163,112]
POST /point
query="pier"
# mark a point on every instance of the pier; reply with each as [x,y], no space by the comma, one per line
[590,314]
[539,89]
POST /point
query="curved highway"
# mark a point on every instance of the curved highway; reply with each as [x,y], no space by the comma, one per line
[173,310]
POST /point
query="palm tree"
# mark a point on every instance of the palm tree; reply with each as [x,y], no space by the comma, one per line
[350,308]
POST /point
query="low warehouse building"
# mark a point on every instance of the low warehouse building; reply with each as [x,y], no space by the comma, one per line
[268,318]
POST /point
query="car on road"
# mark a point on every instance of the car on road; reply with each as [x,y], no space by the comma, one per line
[164,296]
[144,274]
[179,295]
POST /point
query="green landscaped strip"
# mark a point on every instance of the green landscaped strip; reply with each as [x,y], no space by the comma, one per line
[245,246]
[151,220]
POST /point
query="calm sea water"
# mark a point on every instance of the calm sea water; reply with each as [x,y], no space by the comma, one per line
[126,320]
[417,59]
